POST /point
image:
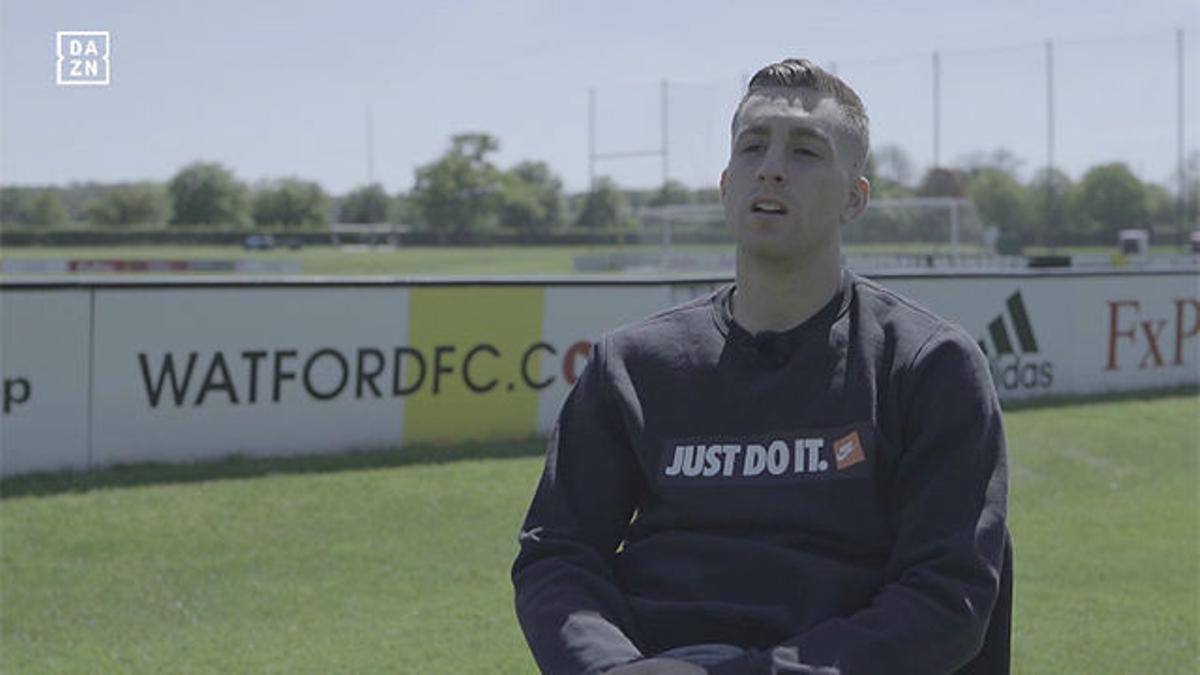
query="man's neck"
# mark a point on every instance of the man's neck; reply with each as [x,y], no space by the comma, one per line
[778,295]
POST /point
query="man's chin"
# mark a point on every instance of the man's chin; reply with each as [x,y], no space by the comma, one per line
[759,231]
[775,247]
[766,223]
[767,250]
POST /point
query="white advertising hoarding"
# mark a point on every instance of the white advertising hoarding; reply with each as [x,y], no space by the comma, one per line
[574,318]
[102,374]
[44,341]
[1074,334]
[192,373]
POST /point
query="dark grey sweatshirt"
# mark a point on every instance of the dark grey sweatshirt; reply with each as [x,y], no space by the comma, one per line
[838,488]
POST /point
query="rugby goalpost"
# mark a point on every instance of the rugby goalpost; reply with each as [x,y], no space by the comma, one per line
[927,211]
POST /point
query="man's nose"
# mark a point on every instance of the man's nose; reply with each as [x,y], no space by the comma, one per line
[771,169]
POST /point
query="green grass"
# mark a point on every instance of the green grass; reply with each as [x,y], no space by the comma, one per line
[398,562]
[417,260]
[319,260]
[376,569]
[1105,516]
[426,260]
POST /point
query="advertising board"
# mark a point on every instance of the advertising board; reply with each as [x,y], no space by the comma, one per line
[99,373]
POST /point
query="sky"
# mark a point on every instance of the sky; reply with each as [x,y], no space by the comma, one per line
[275,89]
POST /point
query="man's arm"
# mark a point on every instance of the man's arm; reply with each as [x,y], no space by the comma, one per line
[947,505]
[574,616]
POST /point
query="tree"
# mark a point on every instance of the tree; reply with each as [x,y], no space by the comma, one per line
[941,183]
[12,206]
[519,208]
[1002,203]
[76,196]
[458,192]
[531,198]
[208,194]
[1161,206]
[31,206]
[401,209]
[1109,198]
[1048,193]
[907,225]
[1190,202]
[890,170]
[367,204]
[671,192]
[604,207]
[45,208]
[1000,159]
[134,204]
[291,202]
[474,145]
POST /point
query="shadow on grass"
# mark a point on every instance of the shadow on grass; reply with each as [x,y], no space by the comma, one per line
[46,484]
[235,467]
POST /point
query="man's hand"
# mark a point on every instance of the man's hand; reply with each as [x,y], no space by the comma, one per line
[657,667]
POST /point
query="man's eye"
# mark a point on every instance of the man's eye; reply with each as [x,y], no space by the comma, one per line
[806,152]
[752,147]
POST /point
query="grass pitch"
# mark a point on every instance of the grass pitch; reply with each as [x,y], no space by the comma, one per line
[398,562]
[405,261]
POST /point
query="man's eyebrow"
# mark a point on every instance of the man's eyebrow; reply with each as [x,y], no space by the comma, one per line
[810,132]
[756,130]
[805,132]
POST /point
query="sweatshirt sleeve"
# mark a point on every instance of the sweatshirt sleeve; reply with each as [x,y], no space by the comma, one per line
[574,616]
[947,503]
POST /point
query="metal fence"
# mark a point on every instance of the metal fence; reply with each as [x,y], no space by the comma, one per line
[1064,104]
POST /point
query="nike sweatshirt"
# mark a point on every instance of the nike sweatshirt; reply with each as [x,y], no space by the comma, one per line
[837,489]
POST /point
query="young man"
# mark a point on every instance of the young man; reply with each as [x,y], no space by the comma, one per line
[802,472]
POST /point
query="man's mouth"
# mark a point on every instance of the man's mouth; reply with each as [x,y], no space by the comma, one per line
[768,206]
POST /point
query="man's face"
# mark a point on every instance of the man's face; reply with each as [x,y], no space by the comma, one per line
[790,183]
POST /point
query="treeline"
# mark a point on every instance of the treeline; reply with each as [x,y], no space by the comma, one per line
[464,192]
[1047,208]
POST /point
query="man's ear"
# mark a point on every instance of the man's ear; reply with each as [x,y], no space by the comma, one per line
[856,201]
[724,177]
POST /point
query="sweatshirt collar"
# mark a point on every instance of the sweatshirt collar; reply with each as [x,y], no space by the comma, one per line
[831,311]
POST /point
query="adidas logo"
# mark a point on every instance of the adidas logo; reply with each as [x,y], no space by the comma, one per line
[1015,367]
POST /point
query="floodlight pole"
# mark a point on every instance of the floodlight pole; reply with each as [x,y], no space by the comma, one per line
[665,168]
[953,229]
[937,109]
[370,147]
[1179,141]
[665,165]
[1052,226]
[591,138]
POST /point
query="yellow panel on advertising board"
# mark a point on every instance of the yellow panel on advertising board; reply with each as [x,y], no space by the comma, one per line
[473,363]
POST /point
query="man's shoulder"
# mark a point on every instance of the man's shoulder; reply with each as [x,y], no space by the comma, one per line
[934,356]
[668,327]
[892,306]
[911,325]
